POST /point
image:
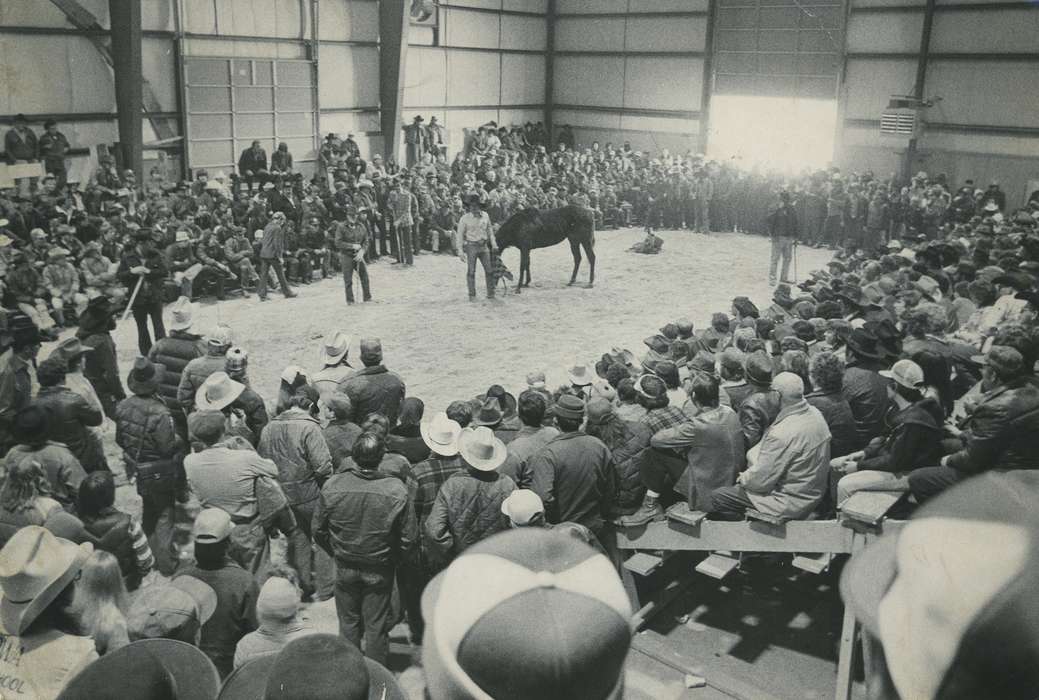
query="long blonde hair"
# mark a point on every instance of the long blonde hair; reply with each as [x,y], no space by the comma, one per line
[101,597]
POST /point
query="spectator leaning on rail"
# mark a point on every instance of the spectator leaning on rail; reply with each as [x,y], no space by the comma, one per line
[787,471]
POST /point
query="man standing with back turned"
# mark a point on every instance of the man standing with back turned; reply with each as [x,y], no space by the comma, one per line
[782,228]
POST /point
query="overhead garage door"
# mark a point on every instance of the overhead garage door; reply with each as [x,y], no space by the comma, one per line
[781,48]
[234,101]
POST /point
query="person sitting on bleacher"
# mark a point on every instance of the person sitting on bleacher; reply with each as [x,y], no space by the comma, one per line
[787,471]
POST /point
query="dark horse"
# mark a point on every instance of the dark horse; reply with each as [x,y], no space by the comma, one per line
[541,228]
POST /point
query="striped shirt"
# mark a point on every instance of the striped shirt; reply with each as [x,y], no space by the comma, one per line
[142,552]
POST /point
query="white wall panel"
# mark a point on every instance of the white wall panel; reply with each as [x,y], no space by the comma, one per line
[596,34]
[985,144]
[885,33]
[588,80]
[199,16]
[518,117]
[869,85]
[157,14]
[464,28]
[980,31]
[243,49]
[522,79]
[584,6]
[350,20]
[349,123]
[485,4]
[663,83]
[1005,93]
[77,79]
[348,76]
[472,78]
[668,5]
[425,81]
[523,32]
[887,3]
[663,124]
[160,71]
[526,5]
[603,120]
[667,34]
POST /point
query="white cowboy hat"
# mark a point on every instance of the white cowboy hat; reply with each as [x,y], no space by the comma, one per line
[481,450]
[183,311]
[217,392]
[441,435]
[579,374]
[35,567]
[334,347]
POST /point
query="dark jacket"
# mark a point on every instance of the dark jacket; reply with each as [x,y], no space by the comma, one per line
[783,222]
[626,442]
[294,442]
[272,245]
[340,436]
[713,446]
[374,390]
[235,614]
[194,374]
[249,406]
[1003,431]
[467,510]
[407,441]
[174,352]
[252,159]
[866,392]
[844,437]
[70,415]
[914,440]
[757,412]
[363,519]
[575,478]
[144,429]
[100,367]
[114,526]
[151,291]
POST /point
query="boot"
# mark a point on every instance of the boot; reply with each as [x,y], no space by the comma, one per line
[649,511]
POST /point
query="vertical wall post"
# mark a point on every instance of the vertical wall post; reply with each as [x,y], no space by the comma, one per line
[550,69]
[394,21]
[129,79]
[708,76]
[919,86]
[181,81]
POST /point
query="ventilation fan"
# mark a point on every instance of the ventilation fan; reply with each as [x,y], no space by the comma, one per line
[423,11]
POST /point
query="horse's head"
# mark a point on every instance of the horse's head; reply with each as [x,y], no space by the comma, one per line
[516,229]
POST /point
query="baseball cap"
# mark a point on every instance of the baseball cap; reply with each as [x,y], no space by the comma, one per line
[521,506]
[212,525]
[905,372]
[177,610]
[536,380]
[278,599]
[371,348]
[526,613]
[957,616]
[220,336]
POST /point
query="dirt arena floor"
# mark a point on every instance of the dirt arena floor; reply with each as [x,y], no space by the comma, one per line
[763,637]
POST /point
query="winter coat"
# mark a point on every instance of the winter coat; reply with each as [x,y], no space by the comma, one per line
[194,375]
[407,441]
[839,419]
[787,472]
[294,442]
[713,446]
[101,367]
[866,392]
[626,442]
[575,478]
[466,511]
[250,409]
[253,160]
[115,527]
[151,290]
[374,390]
[524,446]
[363,519]
[273,243]
[61,278]
[757,412]
[63,470]
[914,440]
[144,429]
[69,417]
[174,352]
[1003,430]
[97,271]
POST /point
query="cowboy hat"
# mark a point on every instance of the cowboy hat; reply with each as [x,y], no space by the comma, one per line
[217,392]
[182,311]
[480,449]
[506,401]
[334,347]
[35,567]
[441,435]
[488,413]
[145,376]
[579,375]
[864,344]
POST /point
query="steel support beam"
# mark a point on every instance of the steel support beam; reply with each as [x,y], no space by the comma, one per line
[129,78]
[919,84]
[708,76]
[550,70]
[394,21]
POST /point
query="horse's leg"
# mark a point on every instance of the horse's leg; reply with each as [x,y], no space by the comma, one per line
[525,267]
[589,249]
[575,250]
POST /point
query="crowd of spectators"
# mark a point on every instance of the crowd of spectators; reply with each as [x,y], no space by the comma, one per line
[906,366]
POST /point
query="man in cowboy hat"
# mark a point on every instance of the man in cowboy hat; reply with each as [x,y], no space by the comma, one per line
[216,343]
[144,262]
[175,352]
[468,507]
[272,250]
[783,229]
[16,375]
[424,482]
[760,408]
[61,278]
[474,240]
[38,574]
[364,521]
[145,432]
[351,240]
[863,387]
[335,367]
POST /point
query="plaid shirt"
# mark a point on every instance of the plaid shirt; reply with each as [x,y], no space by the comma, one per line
[667,417]
[425,481]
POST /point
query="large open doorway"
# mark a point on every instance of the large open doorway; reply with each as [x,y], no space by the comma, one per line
[772,133]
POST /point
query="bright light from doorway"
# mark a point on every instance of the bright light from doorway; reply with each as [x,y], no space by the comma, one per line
[772,133]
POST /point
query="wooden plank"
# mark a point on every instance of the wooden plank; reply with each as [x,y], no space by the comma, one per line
[808,536]
[717,566]
[764,517]
[813,564]
[682,513]
[643,563]
[870,507]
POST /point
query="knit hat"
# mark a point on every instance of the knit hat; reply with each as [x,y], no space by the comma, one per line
[956,615]
[569,406]
[526,613]
[598,410]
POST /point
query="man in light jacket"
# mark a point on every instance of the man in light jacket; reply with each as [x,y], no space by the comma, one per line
[787,471]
